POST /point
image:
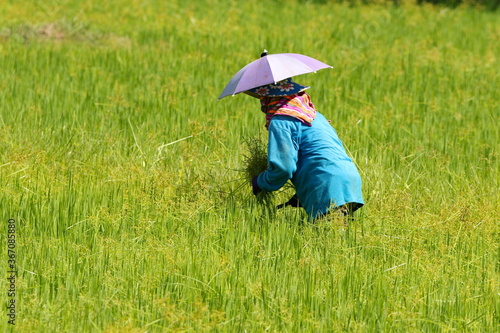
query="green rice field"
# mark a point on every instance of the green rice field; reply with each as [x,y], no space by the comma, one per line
[122,176]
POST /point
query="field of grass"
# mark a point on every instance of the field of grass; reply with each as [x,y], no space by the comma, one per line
[124,173]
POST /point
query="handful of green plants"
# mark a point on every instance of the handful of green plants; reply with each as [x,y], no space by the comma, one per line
[255,162]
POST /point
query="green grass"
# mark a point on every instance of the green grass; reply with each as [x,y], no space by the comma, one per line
[125,173]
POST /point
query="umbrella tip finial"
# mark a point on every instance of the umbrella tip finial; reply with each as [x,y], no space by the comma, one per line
[263,54]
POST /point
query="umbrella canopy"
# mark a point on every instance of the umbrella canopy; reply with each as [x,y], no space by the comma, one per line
[271,68]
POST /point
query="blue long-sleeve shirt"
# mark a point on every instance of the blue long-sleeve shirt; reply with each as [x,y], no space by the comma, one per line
[315,160]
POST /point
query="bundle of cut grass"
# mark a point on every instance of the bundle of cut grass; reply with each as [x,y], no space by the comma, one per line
[255,162]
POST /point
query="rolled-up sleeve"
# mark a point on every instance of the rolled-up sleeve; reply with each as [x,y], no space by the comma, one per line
[282,156]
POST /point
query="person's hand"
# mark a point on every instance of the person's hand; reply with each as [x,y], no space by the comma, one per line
[255,187]
[294,202]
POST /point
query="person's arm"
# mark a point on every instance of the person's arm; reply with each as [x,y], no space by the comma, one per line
[282,158]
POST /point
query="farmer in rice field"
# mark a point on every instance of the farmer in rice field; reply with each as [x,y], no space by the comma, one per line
[305,148]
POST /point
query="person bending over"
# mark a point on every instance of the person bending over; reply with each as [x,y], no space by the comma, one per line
[303,147]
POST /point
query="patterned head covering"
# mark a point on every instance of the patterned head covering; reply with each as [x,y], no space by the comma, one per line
[298,106]
[282,88]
